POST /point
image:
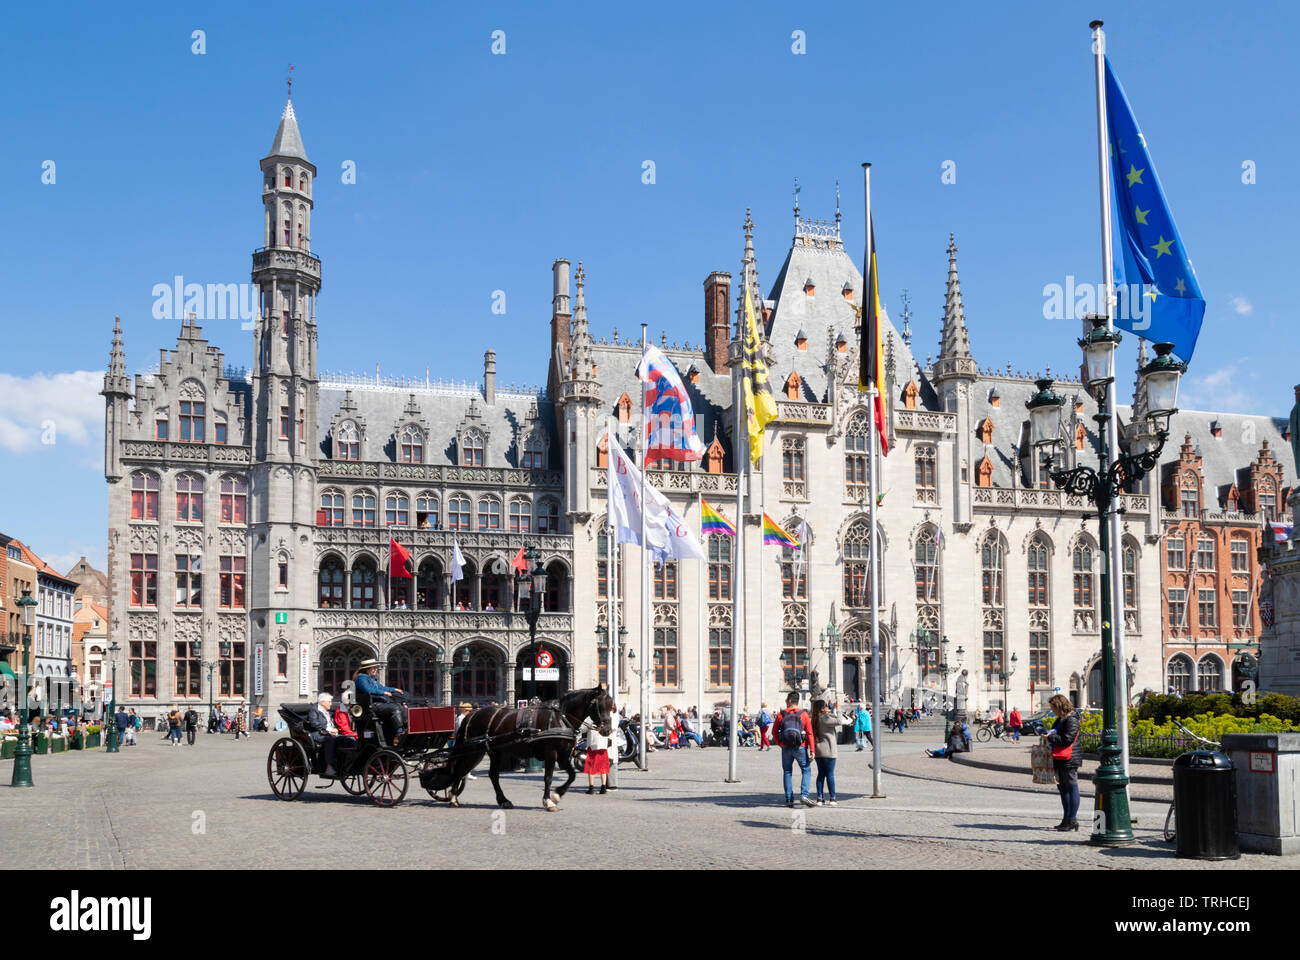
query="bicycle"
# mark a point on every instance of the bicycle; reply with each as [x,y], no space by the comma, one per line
[988,730]
[1171,821]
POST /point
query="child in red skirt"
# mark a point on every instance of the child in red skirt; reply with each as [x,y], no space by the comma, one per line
[597,764]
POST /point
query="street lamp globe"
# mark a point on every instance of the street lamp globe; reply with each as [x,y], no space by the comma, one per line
[1099,351]
[1044,414]
[1160,377]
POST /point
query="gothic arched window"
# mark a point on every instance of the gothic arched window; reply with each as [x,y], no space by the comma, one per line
[363,509]
[856,456]
[189,498]
[1037,564]
[363,584]
[144,495]
[471,450]
[330,583]
[411,445]
[396,510]
[347,445]
[458,512]
[331,509]
[521,516]
[856,549]
[489,514]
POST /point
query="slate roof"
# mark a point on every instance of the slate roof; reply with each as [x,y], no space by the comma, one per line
[1226,459]
[288,141]
[382,407]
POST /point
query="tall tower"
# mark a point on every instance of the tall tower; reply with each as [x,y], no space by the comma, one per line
[579,403]
[285,443]
[954,378]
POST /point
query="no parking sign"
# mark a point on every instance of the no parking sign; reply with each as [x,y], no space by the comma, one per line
[544,658]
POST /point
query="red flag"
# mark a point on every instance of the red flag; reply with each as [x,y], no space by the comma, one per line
[519,563]
[399,561]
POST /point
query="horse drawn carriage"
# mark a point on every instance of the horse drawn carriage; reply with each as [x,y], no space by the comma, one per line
[381,770]
[370,765]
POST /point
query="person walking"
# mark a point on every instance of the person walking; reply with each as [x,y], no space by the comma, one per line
[134,725]
[174,721]
[1066,758]
[827,725]
[764,727]
[191,718]
[241,723]
[1015,722]
[795,733]
[122,720]
[597,764]
[862,727]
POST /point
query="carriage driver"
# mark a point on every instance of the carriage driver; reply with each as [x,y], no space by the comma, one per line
[320,726]
[389,715]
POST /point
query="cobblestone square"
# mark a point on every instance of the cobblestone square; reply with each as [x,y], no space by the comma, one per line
[154,806]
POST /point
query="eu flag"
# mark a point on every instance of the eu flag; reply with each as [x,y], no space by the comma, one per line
[1171,306]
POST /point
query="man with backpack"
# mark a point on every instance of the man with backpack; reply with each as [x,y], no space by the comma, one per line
[794,732]
[191,725]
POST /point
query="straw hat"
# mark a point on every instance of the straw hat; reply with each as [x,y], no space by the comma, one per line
[367,664]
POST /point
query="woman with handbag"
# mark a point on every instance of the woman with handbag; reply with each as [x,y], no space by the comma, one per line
[1066,758]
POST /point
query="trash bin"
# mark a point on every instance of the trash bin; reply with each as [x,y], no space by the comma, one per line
[1205,801]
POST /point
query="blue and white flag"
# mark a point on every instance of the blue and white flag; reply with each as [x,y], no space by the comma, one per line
[670,419]
[457,561]
[1155,265]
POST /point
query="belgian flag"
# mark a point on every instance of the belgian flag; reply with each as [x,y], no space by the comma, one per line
[871,354]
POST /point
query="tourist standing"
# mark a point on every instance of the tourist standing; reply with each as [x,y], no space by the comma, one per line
[191,718]
[827,726]
[241,723]
[862,727]
[794,731]
[1016,723]
[597,764]
[1066,758]
[122,720]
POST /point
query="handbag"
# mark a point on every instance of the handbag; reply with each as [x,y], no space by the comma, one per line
[1065,752]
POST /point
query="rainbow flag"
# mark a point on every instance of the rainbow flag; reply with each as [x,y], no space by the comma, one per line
[773,534]
[711,521]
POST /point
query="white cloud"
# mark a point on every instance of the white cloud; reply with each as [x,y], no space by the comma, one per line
[49,409]
[1241,305]
[1228,389]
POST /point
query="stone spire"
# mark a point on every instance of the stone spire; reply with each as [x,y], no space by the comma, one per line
[115,381]
[954,344]
[288,141]
[580,341]
[749,279]
[1139,386]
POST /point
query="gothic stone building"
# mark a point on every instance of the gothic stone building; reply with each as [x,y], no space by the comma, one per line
[250,514]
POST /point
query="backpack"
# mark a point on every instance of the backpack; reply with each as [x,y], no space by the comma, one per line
[792,732]
[764,719]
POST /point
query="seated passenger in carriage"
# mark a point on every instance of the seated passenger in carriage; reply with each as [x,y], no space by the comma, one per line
[320,727]
[342,720]
[372,693]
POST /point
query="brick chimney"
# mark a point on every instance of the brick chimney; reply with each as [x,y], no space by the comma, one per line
[560,316]
[717,320]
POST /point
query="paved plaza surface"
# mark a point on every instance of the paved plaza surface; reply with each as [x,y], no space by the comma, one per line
[209,806]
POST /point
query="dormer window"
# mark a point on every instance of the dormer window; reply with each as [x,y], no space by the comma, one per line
[534,456]
[191,422]
[471,450]
[347,445]
[411,445]
[288,177]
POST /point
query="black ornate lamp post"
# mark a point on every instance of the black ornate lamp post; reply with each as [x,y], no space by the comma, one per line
[1160,378]
[531,590]
[1006,675]
[22,775]
[209,666]
[112,747]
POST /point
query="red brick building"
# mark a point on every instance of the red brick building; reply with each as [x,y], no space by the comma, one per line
[1214,518]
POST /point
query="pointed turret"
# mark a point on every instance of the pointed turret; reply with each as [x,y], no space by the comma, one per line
[115,380]
[580,341]
[288,141]
[1139,384]
[954,343]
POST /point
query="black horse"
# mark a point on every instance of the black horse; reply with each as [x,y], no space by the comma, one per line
[545,732]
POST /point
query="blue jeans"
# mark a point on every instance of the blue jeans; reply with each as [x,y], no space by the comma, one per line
[826,775]
[692,735]
[174,733]
[788,756]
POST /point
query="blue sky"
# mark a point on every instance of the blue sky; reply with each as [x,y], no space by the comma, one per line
[475,171]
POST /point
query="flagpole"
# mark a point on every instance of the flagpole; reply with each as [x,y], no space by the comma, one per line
[1116,556]
[611,621]
[871,501]
[699,650]
[647,665]
[741,448]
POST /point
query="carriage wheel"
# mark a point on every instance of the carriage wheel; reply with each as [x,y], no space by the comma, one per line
[354,784]
[287,769]
[386,779]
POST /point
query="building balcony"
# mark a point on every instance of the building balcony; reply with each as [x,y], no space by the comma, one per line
[676,481]
[924,421]
[163,452]
[440,474]
[793,411]
[1018,498]
[430,622]
[286,258]
[477,541]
